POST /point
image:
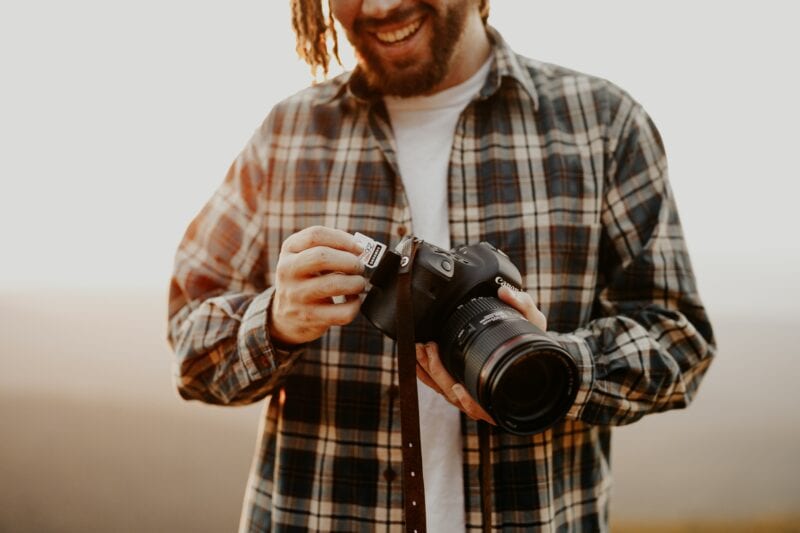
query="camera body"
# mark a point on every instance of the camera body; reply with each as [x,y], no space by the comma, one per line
[517,373]
[441,281]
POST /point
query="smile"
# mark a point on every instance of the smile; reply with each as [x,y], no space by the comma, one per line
[401,34]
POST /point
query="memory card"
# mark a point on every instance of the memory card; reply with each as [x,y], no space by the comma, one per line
[373,250]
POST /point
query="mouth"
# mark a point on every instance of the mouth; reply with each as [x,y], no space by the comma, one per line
[399,35]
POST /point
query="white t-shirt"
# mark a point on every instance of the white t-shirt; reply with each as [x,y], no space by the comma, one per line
[424,127]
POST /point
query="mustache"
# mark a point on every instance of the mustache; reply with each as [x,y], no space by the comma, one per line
[396,16]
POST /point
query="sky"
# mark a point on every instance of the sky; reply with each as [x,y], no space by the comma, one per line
[119,119]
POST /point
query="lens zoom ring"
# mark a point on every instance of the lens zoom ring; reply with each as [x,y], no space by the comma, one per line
[465,313]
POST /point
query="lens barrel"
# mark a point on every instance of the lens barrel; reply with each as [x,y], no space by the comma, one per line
[515,371]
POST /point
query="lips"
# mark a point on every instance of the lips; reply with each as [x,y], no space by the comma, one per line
[400,34]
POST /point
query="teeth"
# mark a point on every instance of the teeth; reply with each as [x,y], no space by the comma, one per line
[398,35]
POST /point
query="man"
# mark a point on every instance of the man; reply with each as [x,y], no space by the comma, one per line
[442,131]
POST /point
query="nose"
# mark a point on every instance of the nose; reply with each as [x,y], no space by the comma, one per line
[378,8]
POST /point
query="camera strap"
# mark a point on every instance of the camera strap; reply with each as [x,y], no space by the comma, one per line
[485,475]
[413,487]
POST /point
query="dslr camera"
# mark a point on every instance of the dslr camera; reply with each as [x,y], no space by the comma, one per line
[515,371]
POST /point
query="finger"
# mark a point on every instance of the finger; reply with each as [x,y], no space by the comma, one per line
[312,261]
[519,300]
[321,236]
[438,372]
[426,379]
[422,356]
[331,314]
[523,302]
[469,405]
[328,285]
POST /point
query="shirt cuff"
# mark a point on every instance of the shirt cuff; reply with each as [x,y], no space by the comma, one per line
[260,356]
[581,352]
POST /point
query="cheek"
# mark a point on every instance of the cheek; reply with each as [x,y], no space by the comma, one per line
[345,12]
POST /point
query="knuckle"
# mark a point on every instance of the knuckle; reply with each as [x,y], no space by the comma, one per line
[332,286]
[473,411]
[433,353]
[453,397]
[282,272]
[321,256]
[320,288]
[306,315]
[345,284]
[360,285]
[316,234]
[290,294]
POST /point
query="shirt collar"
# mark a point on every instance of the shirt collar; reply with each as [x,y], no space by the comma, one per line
[506,65]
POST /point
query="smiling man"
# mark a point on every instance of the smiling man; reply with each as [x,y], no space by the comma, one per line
[444,132]
[420,48]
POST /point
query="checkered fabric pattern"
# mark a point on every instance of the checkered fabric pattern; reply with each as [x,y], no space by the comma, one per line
[565,173]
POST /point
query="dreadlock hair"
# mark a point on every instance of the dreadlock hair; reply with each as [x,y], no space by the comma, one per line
[313,28]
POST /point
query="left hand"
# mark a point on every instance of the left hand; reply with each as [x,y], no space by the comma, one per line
[432,372]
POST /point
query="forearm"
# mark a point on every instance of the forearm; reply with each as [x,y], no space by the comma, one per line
[631,365]
[220,291]
[223,351]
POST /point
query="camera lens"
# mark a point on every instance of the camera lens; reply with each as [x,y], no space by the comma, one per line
[524,379]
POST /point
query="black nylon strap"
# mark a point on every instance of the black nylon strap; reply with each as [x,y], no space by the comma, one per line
[413,487]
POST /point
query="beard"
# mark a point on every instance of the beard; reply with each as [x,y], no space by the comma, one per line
[411,76]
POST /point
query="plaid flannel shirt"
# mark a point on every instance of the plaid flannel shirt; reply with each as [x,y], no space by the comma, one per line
[565,173]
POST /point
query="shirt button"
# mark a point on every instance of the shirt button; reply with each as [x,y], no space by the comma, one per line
[401,231]
[393,391]
[389,474]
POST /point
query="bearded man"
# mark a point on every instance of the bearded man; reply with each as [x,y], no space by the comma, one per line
[444,132]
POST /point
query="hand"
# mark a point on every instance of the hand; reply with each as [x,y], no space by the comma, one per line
[314,265]
[432,372]
[523,302]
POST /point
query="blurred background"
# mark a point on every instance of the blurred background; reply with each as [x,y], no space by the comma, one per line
[119,119]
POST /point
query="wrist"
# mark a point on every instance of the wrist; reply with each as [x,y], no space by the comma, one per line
[279,338]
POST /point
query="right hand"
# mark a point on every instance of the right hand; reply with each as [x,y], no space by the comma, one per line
[314,265]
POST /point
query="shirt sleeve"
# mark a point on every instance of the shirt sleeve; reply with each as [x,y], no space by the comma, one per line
[220,292]
[650,341]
